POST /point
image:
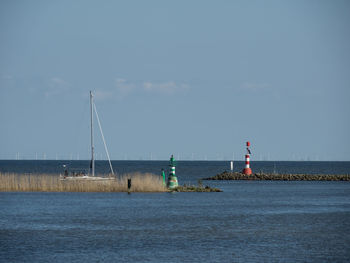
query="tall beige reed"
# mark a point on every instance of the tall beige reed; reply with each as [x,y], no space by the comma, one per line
[141,182]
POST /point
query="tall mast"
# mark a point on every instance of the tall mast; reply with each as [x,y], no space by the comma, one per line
[103,138]
[92,135]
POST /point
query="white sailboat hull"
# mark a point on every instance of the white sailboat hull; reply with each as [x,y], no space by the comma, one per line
[85,178]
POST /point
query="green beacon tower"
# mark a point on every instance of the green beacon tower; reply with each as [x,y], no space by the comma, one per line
[172,179]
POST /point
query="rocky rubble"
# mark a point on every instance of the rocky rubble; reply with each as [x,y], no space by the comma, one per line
[280,177]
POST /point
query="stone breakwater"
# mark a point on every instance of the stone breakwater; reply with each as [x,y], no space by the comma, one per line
[280,177]
[190,188]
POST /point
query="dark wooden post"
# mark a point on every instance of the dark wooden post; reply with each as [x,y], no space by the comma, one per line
[129,185]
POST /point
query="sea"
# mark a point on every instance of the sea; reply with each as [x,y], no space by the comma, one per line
[250,221]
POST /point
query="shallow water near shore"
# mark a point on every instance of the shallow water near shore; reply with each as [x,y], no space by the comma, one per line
[251,221]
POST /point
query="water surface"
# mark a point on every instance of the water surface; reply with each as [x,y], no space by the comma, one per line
[251,221]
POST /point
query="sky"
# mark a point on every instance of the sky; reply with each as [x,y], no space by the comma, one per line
[196,79]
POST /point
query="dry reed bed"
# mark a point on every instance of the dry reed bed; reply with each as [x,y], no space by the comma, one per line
[51,183]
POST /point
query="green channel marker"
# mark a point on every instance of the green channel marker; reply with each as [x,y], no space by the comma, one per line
[163,174]
[172,179]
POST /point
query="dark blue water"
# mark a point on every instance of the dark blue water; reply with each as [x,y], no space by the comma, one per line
[249,222]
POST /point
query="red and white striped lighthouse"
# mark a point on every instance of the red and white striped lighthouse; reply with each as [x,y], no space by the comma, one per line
[247,170]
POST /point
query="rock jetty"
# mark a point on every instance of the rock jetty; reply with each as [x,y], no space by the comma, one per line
[192,188]
[280,177]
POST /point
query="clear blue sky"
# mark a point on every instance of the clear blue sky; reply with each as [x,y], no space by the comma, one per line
[193,78]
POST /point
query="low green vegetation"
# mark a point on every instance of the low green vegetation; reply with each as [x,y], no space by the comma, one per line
[192,188]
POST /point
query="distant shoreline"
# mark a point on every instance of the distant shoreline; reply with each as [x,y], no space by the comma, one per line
[279,177]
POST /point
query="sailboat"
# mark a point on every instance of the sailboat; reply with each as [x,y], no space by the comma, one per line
[91,176]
